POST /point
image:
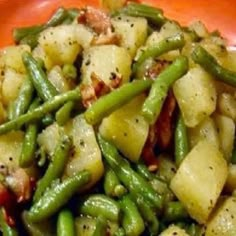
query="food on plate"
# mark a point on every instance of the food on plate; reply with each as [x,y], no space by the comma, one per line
[117,121]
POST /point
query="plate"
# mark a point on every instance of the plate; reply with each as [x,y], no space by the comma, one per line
[219,15]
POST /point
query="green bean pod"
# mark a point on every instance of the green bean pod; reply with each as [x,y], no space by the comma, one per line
[202,57]
[43,86]
[100,205]
[41,111]
[105,105]
[65,223]
[22,103]
[4,227]
[30,141]
[152,14]
[56,196]
[136,184]
[153,104]
[181,140]
[120,232]
[144,172]
[63,114]
[55,168]
[100,227]
[171,43]
[132,221]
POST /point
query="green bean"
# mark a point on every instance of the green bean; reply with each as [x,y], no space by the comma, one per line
[38,113]
[43,228]
[69,71]
[30,141]
[22,103]
[63,114]
[181,141]
[210,64]
[153,15]
[144,172]
[100,204]
[153,104]
[55,168]
[171,43]
[174,211]
[39,79]
[131,179]
[132,221]
[194,230]
[112,101]
[148,215]
[112,185]
[57,18]
[120,232]
[101,227]
[47,120]
[56,196]
[65,223]
[4,227]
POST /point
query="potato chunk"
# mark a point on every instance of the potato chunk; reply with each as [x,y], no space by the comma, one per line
[127,126]
[223,222]
[196,95]
[174,230]
[133,32]
[200,179]
[106,61]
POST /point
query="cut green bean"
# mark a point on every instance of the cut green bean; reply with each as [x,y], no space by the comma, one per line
[115,99]
[131,179]
[4,227]
[154,102]
[181,140]
[56,196]
[63,114]
[47,120]
[100,227]
[144,172]
[120,232]
[171,43]
[55,168]
[30,141]
[202,57]
[100,204]
[65,223]
[175,211]
[194,230]
[43,86]
[49,106]
[148,215]
[22,103]
[153,15]
[69,71]
[132,221]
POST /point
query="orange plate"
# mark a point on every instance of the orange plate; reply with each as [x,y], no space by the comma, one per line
[219,15]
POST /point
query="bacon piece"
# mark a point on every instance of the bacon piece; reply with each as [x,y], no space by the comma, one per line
[164,124]
[19,182]
[96,19]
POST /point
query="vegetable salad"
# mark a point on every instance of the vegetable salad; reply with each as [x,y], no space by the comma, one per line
[117,121]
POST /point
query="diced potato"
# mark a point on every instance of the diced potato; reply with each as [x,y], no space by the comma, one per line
[87,154]
[174,230]
[167,30]
[199,28]
[10,148]
[230,184]
[196,96]
[226,132]
[112,4]
[60,44]
[227,105]
[127,126]
[230,60]
[13,57]
[105,61]
[223,222]
[205,130]
[84,35]
[200,179]
[56,77]
[133,32]
[39,52]
[3,114]
[11,85]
